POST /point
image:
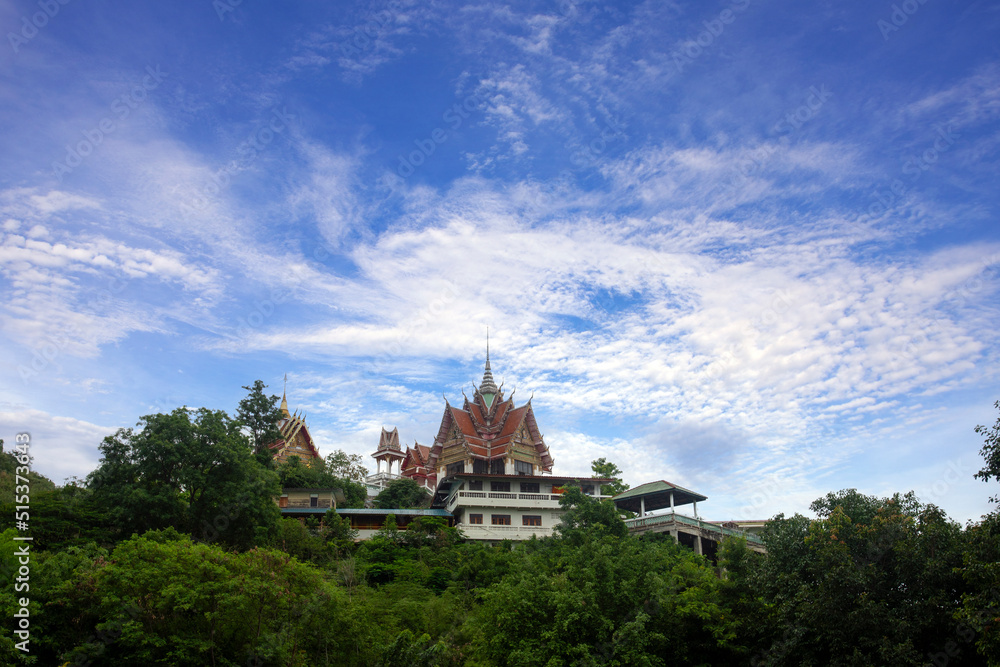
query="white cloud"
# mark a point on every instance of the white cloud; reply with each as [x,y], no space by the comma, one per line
[767,340]
[62,447]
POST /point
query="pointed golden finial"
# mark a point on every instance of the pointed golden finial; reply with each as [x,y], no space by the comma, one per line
[284,401]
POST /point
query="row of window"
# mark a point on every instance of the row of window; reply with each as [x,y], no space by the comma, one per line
[503,487]
[504,520]
[495,467]
[526,487]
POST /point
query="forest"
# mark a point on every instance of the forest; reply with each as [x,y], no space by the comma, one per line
[173,552]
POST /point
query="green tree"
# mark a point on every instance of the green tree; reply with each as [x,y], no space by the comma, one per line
[296,475]
[164,600]
[12,464]
[604,469]
[981,600]
[981,562]
[346,466]
[259,414]
[68,516]
[409,651]
[585,513]
[355,494]
[605,600]
[990,453]
[197,475]
[402,493]
[872,581]
[337,532]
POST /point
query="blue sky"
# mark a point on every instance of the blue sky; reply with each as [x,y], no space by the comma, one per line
[749,247]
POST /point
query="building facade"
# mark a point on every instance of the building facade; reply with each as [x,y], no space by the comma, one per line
[508,507]
[488,467]
[490,472]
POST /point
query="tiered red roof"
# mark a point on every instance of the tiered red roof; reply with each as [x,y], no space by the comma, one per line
[290,426]
[415,465]
[488,424]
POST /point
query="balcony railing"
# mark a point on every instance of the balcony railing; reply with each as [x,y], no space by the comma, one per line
[382,477]
[482,531]
[541,500]
[660,519]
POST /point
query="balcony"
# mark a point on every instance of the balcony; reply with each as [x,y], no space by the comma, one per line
[661,522]
[502,499]
[381,478]
[499,499]
[497,533]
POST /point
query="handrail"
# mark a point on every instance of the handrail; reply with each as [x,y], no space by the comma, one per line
[648,521]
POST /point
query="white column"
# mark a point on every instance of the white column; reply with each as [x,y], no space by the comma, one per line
[671,501]
[378,466]
[642,506]
[696,509]
[697,545]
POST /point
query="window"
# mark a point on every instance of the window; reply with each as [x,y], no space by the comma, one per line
[500,519]
[476,485]
[588,489]
[314,500]
[522,467]
[476,518]
[529,487]
[480,467]
[456,468]
[497,467]
[501,487]
[531,520]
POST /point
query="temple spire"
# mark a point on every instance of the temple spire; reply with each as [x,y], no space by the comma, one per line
[488,388]
[284,401]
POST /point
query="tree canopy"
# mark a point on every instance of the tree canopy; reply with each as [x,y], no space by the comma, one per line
[259,414]
[346,466]
[123,571]
[607,470]
[403,493]
[192,470]
[990,453]
[293,473]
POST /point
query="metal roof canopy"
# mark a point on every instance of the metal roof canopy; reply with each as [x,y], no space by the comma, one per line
[655,496]
[397,512]
[366,512]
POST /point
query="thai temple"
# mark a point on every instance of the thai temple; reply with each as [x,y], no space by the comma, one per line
[490,474]
[295,439]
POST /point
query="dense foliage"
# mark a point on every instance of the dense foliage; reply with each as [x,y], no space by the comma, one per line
[870,581]
[322,474]
[605,469]
[259,414]
[403,494]
[196,474]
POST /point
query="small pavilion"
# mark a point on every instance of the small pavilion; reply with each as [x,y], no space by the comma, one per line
[702,536]
[653,496]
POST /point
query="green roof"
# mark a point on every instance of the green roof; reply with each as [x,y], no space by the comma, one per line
[656,496]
